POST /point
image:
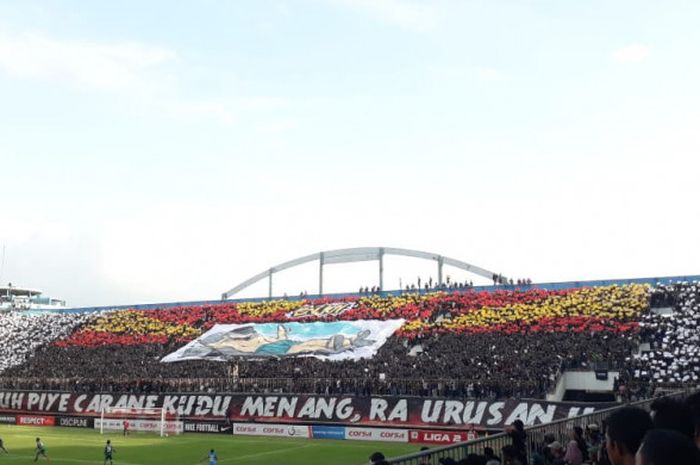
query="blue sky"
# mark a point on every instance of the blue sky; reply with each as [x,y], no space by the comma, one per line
[156,151]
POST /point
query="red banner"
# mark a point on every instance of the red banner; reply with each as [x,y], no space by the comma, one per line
[35,420]
[390,411]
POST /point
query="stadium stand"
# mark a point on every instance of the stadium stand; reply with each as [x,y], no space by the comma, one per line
[504,343]
[674,355]
[22,335]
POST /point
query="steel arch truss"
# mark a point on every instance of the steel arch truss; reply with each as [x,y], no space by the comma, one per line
[357,254]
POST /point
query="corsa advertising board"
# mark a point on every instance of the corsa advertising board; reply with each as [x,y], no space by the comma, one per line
[376,434]
[279,430]
[149,426]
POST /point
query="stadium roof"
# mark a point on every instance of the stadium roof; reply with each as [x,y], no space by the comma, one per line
[18,291]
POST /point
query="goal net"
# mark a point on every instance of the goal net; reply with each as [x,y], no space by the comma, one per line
[148,420]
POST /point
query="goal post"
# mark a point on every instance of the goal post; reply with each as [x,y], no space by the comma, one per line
[149,420]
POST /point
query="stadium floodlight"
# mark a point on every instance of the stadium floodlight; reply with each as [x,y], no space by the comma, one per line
[150,420]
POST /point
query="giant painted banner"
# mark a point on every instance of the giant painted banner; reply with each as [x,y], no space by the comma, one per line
[337,340]
[289,409]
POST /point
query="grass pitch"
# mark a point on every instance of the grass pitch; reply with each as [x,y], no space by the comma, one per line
[83,446]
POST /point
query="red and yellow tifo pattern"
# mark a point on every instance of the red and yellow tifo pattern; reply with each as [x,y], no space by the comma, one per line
[613,309]
[130,327]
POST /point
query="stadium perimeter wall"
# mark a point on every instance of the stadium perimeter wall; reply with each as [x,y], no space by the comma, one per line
[393,419]
[346,410]
[656,281]
[456,443]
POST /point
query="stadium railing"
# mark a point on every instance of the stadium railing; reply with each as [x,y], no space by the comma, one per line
[561,430]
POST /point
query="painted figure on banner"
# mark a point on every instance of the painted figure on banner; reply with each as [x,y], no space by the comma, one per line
[248,341]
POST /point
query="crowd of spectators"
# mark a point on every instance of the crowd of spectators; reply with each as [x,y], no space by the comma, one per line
[448,285]
[674,337]
[427,285]
[613,309]
[475,366]
[22,334]
[668,434]
[499,279]
[506,343]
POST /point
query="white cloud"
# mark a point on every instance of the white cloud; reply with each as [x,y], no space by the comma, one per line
[415,16]
[105,66]
[133,70]
[217,111]
[262,103]
[226,112]
[18,229]
[488,74]
[631,54]
[25,235]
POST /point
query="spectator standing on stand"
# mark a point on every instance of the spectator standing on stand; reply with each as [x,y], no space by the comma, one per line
[517,434]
